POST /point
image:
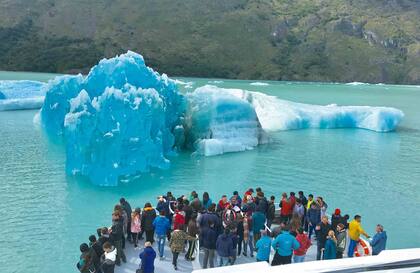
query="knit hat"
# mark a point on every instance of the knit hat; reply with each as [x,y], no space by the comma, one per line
[337,211]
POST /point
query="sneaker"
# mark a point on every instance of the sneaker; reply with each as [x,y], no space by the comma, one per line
[162,258]
[175,267]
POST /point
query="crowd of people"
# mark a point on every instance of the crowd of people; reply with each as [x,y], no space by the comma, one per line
[239,225]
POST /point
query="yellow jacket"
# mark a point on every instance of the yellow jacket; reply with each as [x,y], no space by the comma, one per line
[308,206]
[355,229]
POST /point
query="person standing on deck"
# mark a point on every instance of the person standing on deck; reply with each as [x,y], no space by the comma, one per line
[313,218]
[192,230]
[208,237]
[336,218]
[341,236]
[330,249]
[258,220]
[305,243]
[236,200]
[206,202]
[303,198]
[263,247]
[127,208]
[308,206]
[248,236]
[378,242]
[321,235]
[135,226]
[286,209]
[299,209]
[292,200]
[322,205]
[271,211]
[177,242]
[147,217]
[239,230]
[108,258]
[355,230]
[283,245]
[117,236]
[224,248]
[147,258]
[162,226]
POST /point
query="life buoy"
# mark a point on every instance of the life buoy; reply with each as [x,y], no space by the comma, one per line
[228,217]
[365,251]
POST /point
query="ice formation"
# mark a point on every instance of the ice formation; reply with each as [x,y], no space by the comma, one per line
[19,95]
[119,120]
[259,84]
[219,122]
[123,118]
[275,114]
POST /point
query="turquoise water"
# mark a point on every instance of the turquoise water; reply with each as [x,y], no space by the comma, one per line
[46,215]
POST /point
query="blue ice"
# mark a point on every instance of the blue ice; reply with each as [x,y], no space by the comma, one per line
[19,95]
[123,119]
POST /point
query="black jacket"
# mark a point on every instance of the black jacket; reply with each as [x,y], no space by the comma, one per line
[271,211]
[117,231]
[97,247]
[321,235]
[147,218]
[208,237]
[127,208]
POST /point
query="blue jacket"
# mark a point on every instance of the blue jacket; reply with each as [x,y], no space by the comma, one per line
[330,250]
[164,206]
[314,216]
[378,242]
[211,216]
[161,225]
[148,260]
[258,220]
[208,237]
[285,243]
[224,245]
[263,248]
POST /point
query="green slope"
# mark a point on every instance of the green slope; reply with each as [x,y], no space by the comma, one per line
[316,40]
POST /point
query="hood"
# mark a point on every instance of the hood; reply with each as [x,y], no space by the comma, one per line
[111,255]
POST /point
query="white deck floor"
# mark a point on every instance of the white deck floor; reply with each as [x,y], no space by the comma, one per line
[165,266]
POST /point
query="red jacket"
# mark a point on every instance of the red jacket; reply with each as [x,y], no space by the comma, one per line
[179,219]
[286,207]
[304,242]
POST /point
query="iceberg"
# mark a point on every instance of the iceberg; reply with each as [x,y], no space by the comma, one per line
[219,122]
[20,95]
[119,120]
[123,119]
[275,114]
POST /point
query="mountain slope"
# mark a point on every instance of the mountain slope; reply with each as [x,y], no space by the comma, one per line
[317,40]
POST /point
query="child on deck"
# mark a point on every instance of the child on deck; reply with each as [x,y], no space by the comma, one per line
[147,258]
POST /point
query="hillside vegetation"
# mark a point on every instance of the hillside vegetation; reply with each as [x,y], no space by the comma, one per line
[309,40]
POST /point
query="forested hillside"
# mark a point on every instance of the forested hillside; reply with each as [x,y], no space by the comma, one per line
[308,40]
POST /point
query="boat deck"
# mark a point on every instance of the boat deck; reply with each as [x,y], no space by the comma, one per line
[165,266]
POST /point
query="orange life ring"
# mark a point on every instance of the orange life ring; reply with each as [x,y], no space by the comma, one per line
[365,249]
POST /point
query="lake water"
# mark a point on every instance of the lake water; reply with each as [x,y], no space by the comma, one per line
[46,215]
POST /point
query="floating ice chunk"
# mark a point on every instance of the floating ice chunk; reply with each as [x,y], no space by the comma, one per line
[19,95]
[122,113]
[111,136]
[259,83]
[275,114]
[220,122]
[357,83]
